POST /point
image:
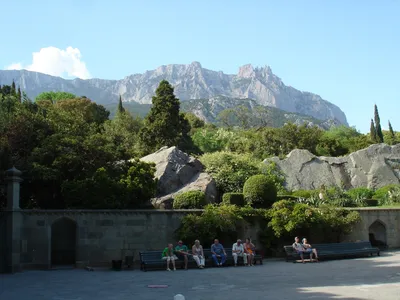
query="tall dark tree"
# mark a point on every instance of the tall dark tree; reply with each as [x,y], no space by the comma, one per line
[13,89]
[19,95]
[379,134]
[391,132]
[372,132]
[163,124]
[120,108]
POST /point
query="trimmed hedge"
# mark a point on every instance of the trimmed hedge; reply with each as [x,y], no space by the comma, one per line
[306,194]
[233,198]
[260,191]
[190,200]
[287,197]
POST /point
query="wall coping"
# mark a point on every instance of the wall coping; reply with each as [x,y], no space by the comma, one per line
[109,211]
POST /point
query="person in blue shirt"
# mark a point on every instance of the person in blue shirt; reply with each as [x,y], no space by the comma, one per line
[218,252]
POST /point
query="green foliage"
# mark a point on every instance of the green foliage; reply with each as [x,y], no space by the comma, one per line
[214,222]
[360,193]
[54,97]
[259,191]
[383,192]
[190,200]
[230,170]
[164,125]
[124,186]
[379,134]
[304,193]
[288,218]
[233,199]
[210,140]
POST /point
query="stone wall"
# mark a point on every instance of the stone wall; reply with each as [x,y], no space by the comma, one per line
[384,223]
[102,236]
[3,242]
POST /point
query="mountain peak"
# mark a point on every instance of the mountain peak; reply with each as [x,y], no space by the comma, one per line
[246,71]
[196,64]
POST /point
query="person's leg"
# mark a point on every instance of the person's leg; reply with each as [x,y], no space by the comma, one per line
[173,258]
[235,257]
[245,258]
[251,259]
[215,259]
[202,261]
[223,258]
[315,253]
[301,256]
[168,260]
[197,260]
[185,258]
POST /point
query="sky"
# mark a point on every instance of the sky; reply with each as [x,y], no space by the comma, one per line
[345,51]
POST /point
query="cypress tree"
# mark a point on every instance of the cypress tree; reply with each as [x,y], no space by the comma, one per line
[19,95]
[120,108]
[392,135]
[379,134]
[372,132]
[13,89]
[163,124]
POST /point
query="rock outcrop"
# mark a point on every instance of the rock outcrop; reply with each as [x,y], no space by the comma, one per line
[177,172]
[373,167]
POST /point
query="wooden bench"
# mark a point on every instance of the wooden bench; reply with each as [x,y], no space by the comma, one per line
[153,260]
[336,250]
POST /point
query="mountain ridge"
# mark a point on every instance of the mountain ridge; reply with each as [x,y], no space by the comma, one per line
[191,81]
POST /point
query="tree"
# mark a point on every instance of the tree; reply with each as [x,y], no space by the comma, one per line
[13,89]
[19,95]
[54,97]
[391,132]
[120,108]
[379,134]
[372,132]
[163,126]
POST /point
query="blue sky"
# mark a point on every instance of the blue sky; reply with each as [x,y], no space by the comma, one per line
[345,51]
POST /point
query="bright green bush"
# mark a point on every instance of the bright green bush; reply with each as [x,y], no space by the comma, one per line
[383,192]
[190,200]
[260,191]
[360,193]
[233,198]
[304,193]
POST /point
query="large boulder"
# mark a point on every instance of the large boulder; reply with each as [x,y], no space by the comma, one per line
[373,167]
[177,172]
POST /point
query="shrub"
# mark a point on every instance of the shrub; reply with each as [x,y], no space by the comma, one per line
[215,222]
[371,202]
[306,194]
[230,170]
[383,192]
[360,193]
[233,198]
[190,200]
[260,191]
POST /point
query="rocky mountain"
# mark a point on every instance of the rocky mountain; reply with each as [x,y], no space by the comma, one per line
[190,82]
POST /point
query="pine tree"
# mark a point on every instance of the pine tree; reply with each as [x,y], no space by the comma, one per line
[13,89]
[120,108]
[19,95]
[379,134]
[163,125]
[372,132]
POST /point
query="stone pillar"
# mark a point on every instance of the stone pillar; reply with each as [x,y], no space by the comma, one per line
[14,221]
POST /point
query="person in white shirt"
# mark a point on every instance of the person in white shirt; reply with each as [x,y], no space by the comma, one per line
[238,250]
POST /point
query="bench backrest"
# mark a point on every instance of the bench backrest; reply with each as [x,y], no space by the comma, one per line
[150,255]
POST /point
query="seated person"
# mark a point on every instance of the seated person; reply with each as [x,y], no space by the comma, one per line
[181,252]
[299,248]
[249,248]
[198,254]
[218,251]
[238,250]
[168,255]
[309,249]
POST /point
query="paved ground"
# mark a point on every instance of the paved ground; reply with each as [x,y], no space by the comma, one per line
[356,279]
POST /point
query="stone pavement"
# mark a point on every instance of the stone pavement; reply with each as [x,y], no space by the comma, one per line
[355,279]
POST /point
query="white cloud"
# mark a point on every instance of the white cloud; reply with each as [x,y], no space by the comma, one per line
[56,62]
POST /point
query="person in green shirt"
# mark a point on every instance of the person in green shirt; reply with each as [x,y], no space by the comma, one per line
[168,255]
[181,251]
